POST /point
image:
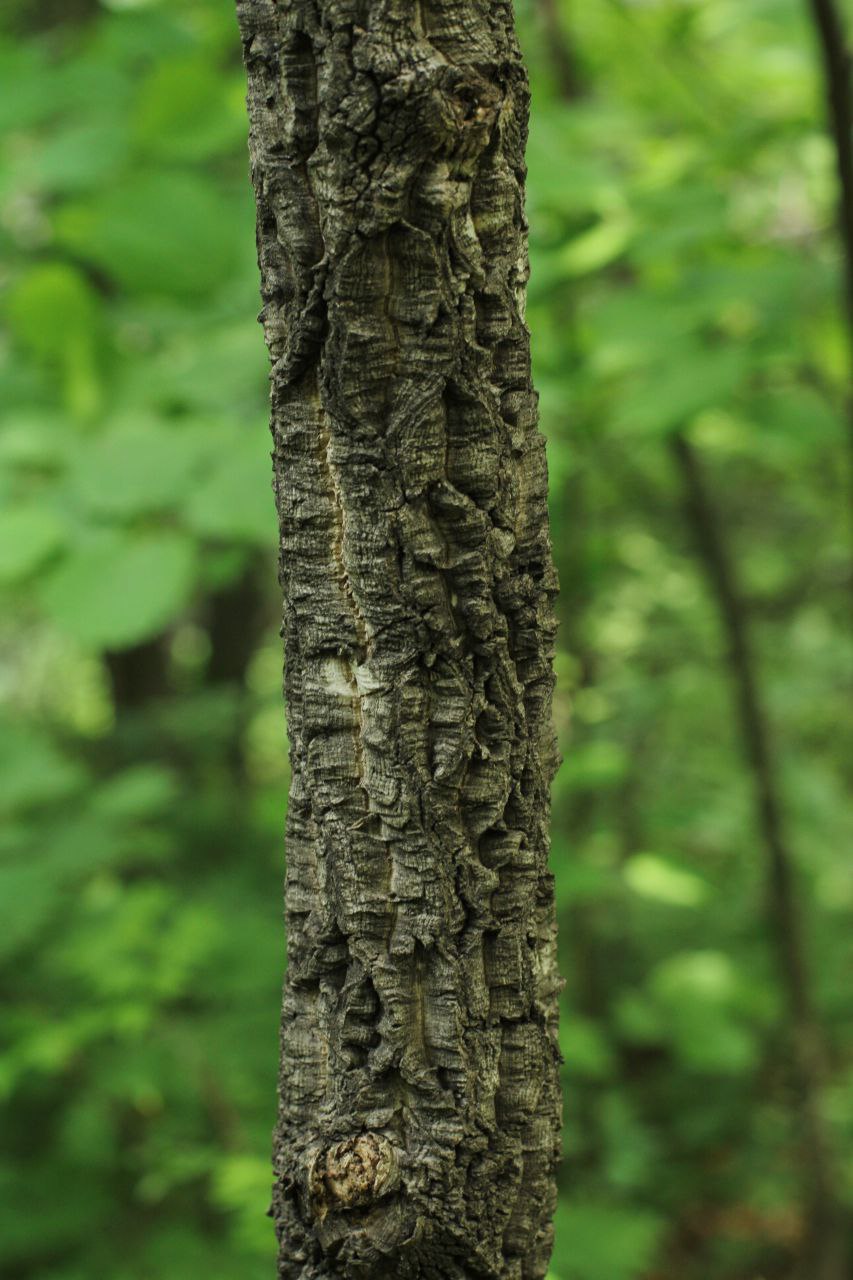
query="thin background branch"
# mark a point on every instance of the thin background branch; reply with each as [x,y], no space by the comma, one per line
[560,51]
[836,60]
[835,53]
[826,1249]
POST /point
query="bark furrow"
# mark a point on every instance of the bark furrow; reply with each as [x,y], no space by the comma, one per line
[419,1098]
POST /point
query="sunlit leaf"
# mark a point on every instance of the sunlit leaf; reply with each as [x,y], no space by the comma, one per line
[55,313]
[595,248]
[653,877]
[698,975]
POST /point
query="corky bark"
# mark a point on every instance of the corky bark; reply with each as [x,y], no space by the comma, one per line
[419,1097]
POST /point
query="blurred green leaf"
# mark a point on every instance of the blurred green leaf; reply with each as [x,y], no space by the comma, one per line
[596,1240]
[584,1048]
[155,232]
[597,763]
[705,976]
[578,881]
[29,534]
[669,396]
[29,894]
[697,991]
[138,465]
[80,155]
[54,312]
[653,877]
[595,248]
[137,793]
[242,1187]
[33,771]
[235,501]
[121,588]
[24,64]
[34,439]
[52,307]
[185,112]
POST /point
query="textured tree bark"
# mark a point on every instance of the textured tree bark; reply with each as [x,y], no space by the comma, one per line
[419,1097]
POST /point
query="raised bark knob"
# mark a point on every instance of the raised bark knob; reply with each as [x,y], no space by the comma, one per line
[353,1174]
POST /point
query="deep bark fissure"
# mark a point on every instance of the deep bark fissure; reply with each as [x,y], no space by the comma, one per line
[419,1097]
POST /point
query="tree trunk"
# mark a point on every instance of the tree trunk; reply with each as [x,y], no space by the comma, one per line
[419,1096]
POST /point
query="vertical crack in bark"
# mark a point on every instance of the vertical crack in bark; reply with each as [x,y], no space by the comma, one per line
[419,1017]
[338,541]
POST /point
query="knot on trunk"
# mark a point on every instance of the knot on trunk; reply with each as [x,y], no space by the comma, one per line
[353,1174]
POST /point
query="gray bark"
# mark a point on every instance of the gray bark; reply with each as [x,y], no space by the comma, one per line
[419,1097]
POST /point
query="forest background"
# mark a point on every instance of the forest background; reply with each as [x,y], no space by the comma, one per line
[694,366]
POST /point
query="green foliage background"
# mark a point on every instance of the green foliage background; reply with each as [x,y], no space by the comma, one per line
[685,277]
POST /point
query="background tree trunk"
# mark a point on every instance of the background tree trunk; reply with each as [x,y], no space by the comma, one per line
[419,1101]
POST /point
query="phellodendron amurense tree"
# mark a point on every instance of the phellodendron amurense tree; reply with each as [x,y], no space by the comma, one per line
[419,1108]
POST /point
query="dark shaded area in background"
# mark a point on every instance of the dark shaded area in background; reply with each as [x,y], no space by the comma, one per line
[693,362]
